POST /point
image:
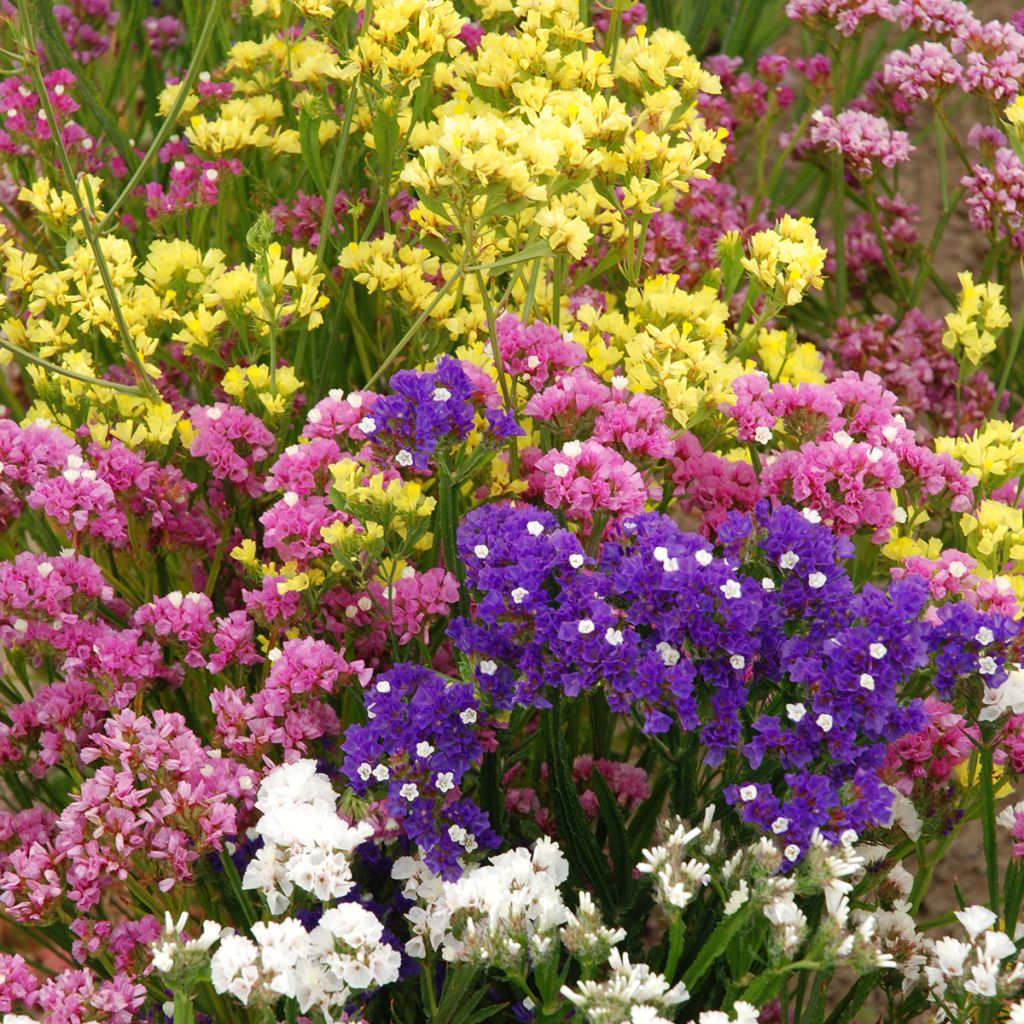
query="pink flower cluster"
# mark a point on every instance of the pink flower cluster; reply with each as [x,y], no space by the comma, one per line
[952,575]
[864,140]
[849,449]
[291,708]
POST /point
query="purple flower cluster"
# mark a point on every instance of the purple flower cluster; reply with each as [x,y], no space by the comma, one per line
[673,632]
[428,410]
[421,738]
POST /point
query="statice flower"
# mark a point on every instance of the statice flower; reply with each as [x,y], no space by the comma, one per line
[82,502]
[850,430]
[504,912]
[985,971]
[321,968]
[421,738]
[232,441]
[291,709]
[921,74]
[428,410]
[846,15]
[305,843]
[911,362]
[865,141]
[630,992]
[589,479]
[192,181]
[536,352]
[710,486]
[995,196]
[164,33]
[87,26]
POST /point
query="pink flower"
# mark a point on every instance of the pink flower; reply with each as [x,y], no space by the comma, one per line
[416,600]
[538,353]
[587,479]
[865,141]
[232,441]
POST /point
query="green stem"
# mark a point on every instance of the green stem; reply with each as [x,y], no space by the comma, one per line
[988,825]
[327,220]
[31,357]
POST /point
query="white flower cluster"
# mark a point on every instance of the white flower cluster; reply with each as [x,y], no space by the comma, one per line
[586,936]
[505,913]
[744,1014]
[631,994]
[962,976]
[319,969]
[688,858]
[305,843]
[172,957]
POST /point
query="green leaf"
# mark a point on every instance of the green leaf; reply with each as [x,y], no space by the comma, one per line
[618,841]
[727,930]
[584,855]
[309,140]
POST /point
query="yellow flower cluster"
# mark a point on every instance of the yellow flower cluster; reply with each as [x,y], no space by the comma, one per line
[255,382]
[401,39]
[786,260]
[397,508]
[995,535]
[979,319]
[787,361]
[672,343]
[993,454]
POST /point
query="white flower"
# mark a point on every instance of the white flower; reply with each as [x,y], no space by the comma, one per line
[824,722]
[795,712]
[409,791]
[976,920]
[987,666]
[576,560]
[767,583]
[585,627]
[984,636]
[481,551]
[445,781]
[762,435]
[1005,699]
[534,529]
[614,637]
[748,793]
[424,749]
[441,394]
[519,595]
[788,560]
[878,651]
[468,716]
[731,589]
[367,424]
[811,515]
[488,667]
[703,558]
[404,458]
[737,661]
[817,580]
[669,655]
[867,681]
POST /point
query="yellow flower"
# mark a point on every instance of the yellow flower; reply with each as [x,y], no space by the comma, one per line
[787,361]
[979,319]
[786,260]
